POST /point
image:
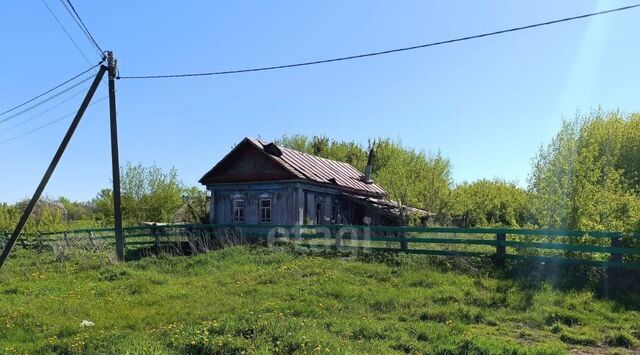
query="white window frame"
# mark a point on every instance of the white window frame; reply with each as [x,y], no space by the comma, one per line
[263,219]
[240,217]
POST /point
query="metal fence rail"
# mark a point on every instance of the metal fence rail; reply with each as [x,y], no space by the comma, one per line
[594,248]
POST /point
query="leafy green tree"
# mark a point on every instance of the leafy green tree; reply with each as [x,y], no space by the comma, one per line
[348,152]
[411,178]
[9,216]
[104,207]
[47,216]
[489,203]
[588,176]
[149,194]
[195,207]
[77,210]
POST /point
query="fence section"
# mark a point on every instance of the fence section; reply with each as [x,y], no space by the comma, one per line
[595,248]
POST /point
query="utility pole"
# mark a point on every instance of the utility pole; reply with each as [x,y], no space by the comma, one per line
[52,166]
[115,159]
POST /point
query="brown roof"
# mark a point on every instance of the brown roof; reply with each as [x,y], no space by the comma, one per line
[320,170]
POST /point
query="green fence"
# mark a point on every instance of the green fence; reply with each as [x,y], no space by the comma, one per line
[595,248]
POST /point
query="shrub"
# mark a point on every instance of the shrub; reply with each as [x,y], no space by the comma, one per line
[621,339]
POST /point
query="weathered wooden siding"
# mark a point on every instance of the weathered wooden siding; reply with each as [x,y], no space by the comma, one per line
[244,164]
[292,202]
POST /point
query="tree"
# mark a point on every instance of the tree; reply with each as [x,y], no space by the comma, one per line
[9,216]
[195,207]
[400,172]
[104,207]
[47,216]
[411,178]
[588,177]
[149,194]
[77,210]
[490,203]
[348,152]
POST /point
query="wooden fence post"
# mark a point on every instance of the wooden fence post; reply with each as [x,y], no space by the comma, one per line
[404,244]
[338,238]
[501,249]
[90,235]
[616,243]
[156,238]
[66,239]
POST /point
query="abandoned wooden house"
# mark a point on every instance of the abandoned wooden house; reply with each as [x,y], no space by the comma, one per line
[260,182]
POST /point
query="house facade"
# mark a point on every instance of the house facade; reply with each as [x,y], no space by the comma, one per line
[263,183]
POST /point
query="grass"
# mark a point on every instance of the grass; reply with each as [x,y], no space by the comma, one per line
[252,299]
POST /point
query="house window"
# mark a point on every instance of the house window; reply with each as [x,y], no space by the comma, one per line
[265,211]
[336,213]
[238,211]
[319,212]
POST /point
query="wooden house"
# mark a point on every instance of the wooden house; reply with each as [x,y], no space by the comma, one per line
[260,182]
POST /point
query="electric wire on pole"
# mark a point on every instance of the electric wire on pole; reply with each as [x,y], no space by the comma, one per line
[11,139]
[389,51]
[64,29]
[49,91]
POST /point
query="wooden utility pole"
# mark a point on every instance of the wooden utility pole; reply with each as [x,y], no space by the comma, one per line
[52,166]
[115,159]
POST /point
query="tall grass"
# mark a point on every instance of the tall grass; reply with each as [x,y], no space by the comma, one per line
[256,300]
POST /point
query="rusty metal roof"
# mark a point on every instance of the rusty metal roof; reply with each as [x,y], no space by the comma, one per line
[389,208]
[321,170]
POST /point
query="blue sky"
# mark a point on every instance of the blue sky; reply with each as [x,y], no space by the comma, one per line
[486,104]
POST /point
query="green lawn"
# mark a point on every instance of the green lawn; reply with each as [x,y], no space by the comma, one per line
[256,300]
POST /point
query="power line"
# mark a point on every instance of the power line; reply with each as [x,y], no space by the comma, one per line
[50,90]
[49,123]
[21,123]
[66,32]
[432,44]
[78,20]
[45,100]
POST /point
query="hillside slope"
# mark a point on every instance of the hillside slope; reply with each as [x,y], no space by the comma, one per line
[251,299]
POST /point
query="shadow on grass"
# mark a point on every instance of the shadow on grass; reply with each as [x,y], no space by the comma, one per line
[174,248]
[619,285]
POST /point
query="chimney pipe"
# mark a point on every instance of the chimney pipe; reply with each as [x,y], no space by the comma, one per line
[369,167]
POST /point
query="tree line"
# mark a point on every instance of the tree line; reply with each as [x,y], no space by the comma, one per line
[587,177]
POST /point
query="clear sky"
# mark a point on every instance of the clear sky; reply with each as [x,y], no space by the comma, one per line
[486,104]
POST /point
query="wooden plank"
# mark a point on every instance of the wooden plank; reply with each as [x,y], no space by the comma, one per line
[560,260]
[572,247]
[396,250]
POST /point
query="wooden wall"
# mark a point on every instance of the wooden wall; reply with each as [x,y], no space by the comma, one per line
[292,202]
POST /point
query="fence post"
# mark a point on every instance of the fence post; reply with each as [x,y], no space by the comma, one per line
[404,244]
[90,235]
[616,242]
[338,238]
[501,249]
[156,238]
[66,239]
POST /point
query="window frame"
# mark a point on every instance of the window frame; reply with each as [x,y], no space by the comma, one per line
[269,209]
[336,212]
[241,216]
[320,212]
